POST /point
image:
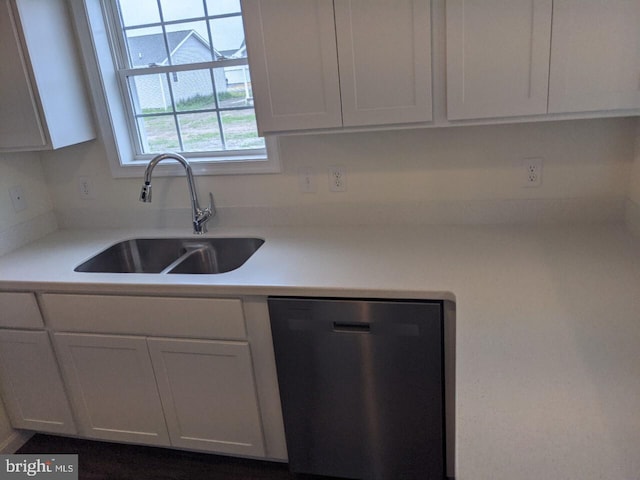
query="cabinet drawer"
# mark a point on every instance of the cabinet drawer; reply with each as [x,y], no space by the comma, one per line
[155,316]
[19,310]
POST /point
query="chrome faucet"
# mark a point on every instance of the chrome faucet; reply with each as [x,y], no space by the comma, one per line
[200,216]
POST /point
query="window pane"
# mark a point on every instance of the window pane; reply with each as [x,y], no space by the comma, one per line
[182,9]
[227,35]
[150,93]
[188,43]
[146,47]
[139,12]
[240,130]
[221,7]
[158,134]
[233,86]
[200,132]
[193,90]
[181,109]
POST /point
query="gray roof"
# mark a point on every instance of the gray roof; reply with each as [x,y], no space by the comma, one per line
[150,49]
[235,53]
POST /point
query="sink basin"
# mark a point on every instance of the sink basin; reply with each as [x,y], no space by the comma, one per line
[217,255]
[173,255]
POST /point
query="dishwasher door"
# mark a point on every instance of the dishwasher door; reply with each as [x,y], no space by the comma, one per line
[361,386]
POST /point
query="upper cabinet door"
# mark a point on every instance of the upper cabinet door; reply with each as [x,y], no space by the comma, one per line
[20,124]
[497,57]
[294,65]
[595,56]
[43,101]
[384,52]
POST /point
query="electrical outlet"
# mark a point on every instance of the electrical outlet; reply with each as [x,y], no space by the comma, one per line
[337,179]
[17,199]
[532,172]
[306,180]
[85,188]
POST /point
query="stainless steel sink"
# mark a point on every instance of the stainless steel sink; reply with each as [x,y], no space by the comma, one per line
[173,255]
[216,255]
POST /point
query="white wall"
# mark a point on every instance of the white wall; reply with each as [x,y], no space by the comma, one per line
[17,229]
[463,174]
[633,204]
[25,170]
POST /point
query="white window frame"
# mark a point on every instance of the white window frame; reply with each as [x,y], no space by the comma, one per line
[113,119]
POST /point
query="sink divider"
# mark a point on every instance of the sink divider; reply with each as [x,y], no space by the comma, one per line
[190,251]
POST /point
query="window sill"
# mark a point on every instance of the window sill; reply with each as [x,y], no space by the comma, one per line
[205,166]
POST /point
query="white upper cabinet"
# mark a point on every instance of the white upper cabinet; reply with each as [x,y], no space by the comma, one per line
[19,117]
[595,56]
[509,58]
[366,63]
[384,57]
[497,57]
[43,104]
[294,67]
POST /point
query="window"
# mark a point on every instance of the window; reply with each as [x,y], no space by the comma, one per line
[175,77]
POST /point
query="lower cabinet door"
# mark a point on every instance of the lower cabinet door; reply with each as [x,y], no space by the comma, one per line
[112,387]
[209,395]
[31,385]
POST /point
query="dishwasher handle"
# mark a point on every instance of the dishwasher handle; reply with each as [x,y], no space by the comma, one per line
[351,327]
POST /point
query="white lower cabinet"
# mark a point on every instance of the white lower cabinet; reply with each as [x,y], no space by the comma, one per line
[196,394]
[32,388]
[208,394]
[180,375]
[191,373]
[112,387]
[30,382]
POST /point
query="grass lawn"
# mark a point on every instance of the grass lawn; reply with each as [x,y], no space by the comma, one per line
[200,131]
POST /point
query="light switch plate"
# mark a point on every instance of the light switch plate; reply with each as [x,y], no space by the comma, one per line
[306,180]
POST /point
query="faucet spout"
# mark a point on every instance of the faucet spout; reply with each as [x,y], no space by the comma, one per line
[200,215]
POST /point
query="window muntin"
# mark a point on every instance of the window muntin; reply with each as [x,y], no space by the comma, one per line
[184,72]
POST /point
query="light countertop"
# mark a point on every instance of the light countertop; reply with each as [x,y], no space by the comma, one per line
[547,323]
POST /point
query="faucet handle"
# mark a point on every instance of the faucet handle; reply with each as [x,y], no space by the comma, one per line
[211,208]
[202,216]
[145,193]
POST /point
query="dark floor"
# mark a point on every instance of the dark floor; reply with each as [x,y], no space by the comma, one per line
[113,461]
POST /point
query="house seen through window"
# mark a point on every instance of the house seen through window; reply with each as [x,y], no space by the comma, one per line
[184,74]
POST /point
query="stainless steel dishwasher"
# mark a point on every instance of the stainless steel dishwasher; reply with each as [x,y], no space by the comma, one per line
[361,385]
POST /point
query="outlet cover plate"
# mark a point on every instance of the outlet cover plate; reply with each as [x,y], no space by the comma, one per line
[532,172]
[85,188]
[337,179]
[18,199]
